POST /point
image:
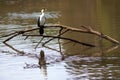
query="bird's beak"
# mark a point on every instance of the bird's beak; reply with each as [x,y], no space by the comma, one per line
[45,9]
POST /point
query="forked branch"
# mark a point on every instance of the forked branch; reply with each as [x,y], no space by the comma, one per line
[85,29]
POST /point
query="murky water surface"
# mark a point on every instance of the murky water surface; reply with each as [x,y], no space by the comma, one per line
[82,63]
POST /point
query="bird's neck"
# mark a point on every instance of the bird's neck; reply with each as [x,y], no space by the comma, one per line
[42,13]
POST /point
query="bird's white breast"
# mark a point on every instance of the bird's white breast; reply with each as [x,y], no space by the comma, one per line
[42,19]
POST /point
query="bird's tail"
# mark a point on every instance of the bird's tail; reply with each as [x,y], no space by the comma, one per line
[41,30]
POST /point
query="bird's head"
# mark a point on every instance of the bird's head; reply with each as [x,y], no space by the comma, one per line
[43,10]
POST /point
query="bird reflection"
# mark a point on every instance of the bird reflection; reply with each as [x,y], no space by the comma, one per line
[42,64]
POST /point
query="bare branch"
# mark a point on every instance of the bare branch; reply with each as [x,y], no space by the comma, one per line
[57,35]
[88,30]
[5,42]
[8,35]
[39,42]
[64,39]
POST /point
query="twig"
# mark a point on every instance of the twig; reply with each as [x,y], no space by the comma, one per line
[26,37]
[5,42]
[51,48]
[57,35]
[60,43]
[39,42]
[64,39]
[8,35]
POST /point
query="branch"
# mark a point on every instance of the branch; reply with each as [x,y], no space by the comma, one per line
[57,35]
[88,30]
[39,42]
[5,42]
[63,38]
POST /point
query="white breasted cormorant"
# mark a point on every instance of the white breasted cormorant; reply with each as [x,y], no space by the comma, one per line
[41,22]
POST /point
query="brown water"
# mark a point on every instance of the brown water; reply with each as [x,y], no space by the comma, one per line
[82,63]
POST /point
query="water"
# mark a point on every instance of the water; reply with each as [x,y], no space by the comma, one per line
[81,63]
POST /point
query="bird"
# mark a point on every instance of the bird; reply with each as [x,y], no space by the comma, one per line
[41,22]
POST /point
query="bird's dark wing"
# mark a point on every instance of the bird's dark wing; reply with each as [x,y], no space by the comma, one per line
[38,22]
